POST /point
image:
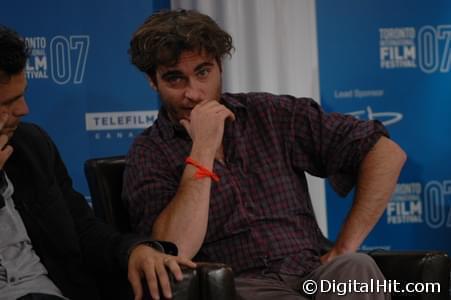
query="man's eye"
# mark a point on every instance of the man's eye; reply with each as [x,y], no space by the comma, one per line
[174,79]
[203,73]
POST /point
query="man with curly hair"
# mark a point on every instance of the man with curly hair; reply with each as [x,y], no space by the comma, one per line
[222,175]
[51,245]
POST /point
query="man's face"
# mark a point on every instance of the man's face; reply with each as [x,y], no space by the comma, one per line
[196,78]
[12,102]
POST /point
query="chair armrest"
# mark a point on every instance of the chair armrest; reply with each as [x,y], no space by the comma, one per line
[116,286]
[427,267]
[188,288]
[207,281]
[216,281]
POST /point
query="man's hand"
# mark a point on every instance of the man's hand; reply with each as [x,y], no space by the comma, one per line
[5,150]
[206,124]
[333,253]
[150,264]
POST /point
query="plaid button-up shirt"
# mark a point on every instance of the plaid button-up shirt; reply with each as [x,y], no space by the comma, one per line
[260,216]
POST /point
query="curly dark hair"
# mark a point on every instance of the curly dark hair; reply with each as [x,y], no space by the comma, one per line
[166,34]
[13,53]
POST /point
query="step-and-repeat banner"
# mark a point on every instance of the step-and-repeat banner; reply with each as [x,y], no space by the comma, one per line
[82,88]
[390,61]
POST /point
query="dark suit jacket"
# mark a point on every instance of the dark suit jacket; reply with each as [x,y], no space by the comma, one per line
[72,244]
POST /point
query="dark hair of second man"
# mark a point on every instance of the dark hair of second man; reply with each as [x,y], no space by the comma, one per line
[13,53]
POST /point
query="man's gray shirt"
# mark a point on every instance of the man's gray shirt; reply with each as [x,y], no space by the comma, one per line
[21,271]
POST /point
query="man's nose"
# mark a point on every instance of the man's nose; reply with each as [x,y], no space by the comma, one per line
[194,93]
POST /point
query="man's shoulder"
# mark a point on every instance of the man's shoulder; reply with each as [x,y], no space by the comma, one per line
[262,99]
[245,99]
[27,132]
[148,135]
[262,103]
[147,141]
[31,145]
[31,140]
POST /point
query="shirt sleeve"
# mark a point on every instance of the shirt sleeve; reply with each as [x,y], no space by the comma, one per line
[149,184]
[331,145]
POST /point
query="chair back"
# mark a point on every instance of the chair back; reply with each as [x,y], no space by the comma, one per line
[104,176]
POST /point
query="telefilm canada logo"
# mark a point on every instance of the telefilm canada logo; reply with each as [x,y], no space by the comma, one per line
[119,124]
[61,59]
[427,48]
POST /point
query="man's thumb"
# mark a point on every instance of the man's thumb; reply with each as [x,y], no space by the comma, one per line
[185,123]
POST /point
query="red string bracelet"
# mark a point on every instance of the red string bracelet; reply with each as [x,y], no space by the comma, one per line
[201,170]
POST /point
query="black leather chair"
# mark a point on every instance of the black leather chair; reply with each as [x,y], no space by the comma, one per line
[208,281]
[213,281]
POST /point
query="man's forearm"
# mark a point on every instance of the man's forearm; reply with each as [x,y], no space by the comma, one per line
[377,180]
[184,220]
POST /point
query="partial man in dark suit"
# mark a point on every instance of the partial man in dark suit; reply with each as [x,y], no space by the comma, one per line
[50,242]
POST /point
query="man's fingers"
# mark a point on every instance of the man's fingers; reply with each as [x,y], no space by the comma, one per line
[175,269]
[152,282]
[4,155]
[226,114]
[207,103]
[184,123]
[164,280]
[222,110]
[173,263]
[7,152]
[187,262]
[3,141]
[135,281]
[215,108]
[230,116]
[3,119]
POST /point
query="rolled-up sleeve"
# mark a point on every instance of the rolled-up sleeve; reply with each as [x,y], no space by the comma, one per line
[331,145]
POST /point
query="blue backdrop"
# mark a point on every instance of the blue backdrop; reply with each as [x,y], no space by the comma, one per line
[82,88]
[391,60]
[386,60]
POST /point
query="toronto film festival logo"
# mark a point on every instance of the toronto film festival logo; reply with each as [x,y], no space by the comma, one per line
[60,58]
[428,48]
